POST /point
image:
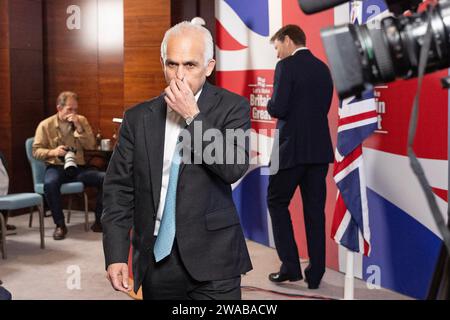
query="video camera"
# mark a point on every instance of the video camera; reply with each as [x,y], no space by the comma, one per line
[404,46]
[361,57]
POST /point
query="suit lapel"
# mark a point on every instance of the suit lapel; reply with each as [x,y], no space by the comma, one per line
[207,100]
[155,127]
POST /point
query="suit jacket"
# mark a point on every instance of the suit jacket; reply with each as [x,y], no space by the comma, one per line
[301,99]
[208,231]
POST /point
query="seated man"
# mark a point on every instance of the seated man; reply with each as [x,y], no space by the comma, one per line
[59,141]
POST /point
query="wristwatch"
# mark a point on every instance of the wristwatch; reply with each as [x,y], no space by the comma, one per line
[190,119]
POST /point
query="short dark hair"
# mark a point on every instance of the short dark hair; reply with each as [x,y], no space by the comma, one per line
[64,96]
[294,32]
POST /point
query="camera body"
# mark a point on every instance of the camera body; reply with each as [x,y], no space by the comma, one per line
[361,57]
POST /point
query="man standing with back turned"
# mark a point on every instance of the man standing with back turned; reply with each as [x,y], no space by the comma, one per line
[301,100]
[186,235]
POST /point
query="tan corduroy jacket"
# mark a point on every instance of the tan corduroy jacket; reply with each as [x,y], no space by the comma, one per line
[49,136]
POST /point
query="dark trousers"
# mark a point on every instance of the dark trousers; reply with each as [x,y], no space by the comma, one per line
[55,176]
[169,280]
[312,182]
[5,294]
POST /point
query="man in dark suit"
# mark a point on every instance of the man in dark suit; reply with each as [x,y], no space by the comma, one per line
[186,235]
[301,100]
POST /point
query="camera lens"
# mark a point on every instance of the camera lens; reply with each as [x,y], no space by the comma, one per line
[379,56]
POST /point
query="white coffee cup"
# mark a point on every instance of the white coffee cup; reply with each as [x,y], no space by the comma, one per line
[105,144]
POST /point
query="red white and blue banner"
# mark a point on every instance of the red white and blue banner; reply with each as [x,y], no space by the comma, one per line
[404,239]
[245,64]
[357,120]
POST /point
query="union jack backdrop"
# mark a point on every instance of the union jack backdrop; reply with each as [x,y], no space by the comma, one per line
[357,120]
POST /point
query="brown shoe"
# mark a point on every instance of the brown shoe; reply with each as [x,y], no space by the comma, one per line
[60,233]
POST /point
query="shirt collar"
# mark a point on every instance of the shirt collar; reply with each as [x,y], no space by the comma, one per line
[55,121]
[299,49]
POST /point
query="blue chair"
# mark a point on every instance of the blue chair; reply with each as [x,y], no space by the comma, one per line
[38,172]
[20,201]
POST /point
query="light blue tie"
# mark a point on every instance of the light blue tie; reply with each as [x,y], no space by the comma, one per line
[166,233]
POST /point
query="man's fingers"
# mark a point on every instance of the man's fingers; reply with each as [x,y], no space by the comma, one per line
[179,84]
[183,86]
[169,94]
[169,102]
[125,277]
[114,278]
[117,283]
[175,90]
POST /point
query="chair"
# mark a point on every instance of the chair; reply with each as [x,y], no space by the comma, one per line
[38,172]
[19,201]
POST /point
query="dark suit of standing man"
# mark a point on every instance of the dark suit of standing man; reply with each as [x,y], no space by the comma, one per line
[301,100]
[208,254]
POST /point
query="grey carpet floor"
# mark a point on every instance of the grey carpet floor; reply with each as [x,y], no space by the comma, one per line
[74,269]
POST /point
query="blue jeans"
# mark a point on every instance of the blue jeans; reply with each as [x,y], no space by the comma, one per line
[55,176]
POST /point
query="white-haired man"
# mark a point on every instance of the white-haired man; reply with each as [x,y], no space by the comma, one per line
[186,236]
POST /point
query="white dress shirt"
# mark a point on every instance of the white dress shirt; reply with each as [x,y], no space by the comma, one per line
[174,124]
